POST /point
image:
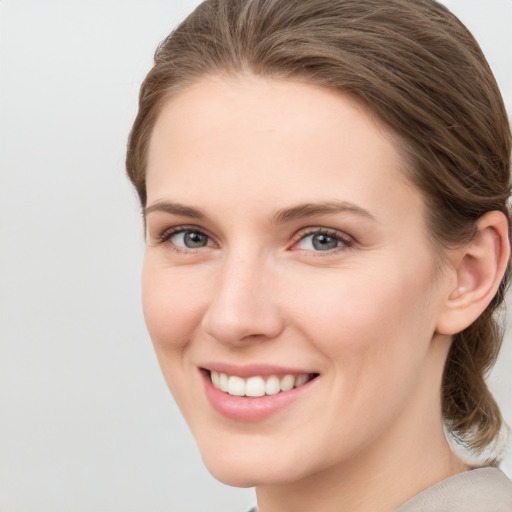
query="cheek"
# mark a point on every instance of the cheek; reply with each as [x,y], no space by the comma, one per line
[171,304]
[374,333]
[369,323]
[173,311]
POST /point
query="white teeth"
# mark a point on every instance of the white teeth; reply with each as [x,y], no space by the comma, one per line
[236,386]
[300,380]
[215,379]
[256,386]
[287,382]
[223,382]
[272,386]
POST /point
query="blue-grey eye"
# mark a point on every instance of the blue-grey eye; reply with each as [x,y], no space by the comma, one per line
[190,239]
[319,242]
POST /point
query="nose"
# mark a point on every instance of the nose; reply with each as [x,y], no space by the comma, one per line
[245,301]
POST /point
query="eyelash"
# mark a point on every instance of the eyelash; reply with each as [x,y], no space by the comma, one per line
[165,237]
[346,242]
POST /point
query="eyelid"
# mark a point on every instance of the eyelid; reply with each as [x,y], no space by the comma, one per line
[347,240]
[164,236]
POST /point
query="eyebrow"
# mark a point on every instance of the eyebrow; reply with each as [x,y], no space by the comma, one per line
[284,215]
[174,209]
[304,210]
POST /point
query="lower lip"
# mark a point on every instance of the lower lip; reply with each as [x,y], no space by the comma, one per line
[251,409]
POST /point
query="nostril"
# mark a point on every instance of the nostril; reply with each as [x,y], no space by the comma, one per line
[248,326]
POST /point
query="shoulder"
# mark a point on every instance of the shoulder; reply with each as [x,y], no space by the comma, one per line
[479,490]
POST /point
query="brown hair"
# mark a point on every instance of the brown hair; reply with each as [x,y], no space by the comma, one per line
[421,73]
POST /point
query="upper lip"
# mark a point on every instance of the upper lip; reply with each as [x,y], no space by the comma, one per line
[252,370]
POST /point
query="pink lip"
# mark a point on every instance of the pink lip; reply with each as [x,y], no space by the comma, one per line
[252,370]
[252,409]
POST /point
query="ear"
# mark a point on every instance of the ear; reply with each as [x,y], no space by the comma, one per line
[479,267]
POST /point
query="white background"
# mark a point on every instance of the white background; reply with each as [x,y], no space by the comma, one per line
[86,421]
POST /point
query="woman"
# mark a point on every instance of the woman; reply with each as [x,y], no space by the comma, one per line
[324,186]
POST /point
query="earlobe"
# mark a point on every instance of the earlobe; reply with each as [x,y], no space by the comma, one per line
[479,267]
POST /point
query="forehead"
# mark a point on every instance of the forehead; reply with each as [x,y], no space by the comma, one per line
[244,137]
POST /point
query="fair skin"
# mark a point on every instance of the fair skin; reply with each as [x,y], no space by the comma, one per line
[242,278]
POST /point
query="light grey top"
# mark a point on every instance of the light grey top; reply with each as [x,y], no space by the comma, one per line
[478,490]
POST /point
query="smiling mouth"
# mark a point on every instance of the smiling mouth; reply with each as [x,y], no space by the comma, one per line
[258,386]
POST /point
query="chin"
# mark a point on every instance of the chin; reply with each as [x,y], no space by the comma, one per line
[234,477]
[248,474]
[255,465]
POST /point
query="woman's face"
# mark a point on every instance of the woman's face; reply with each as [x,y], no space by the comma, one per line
[286,248]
